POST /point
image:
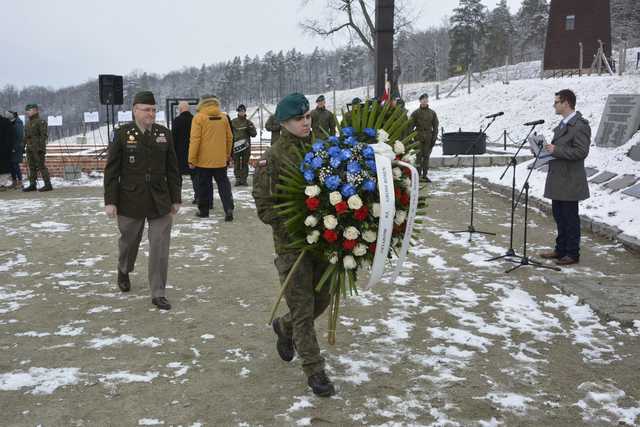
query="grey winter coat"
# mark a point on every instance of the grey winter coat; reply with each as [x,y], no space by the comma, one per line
[567,179]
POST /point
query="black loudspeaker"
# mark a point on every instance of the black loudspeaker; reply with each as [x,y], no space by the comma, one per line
[111,89]
[463,143]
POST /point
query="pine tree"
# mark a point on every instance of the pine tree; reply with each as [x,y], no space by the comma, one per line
[532,20]
[467,34]
[498,43]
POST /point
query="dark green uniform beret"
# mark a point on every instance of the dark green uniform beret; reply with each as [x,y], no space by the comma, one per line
[320,98]
[356,101]
[423,96]
[292,105]
[30,106]
[144,97]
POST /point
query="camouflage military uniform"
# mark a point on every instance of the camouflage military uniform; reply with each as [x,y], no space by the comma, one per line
[305,304]
[323,120]
[35,139]
[425,122]
[273,126]
[243,129]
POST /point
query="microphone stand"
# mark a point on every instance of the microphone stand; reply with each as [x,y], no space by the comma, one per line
[512,164]
[471,229]
[524,259]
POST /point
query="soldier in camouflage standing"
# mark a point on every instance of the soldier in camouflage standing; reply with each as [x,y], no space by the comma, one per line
[304,302]
[425,122]
[347,115]
[35,140]
[322,120]
[273,126]
[243,131]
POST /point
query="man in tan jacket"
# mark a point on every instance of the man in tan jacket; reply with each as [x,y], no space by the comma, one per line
[210,148]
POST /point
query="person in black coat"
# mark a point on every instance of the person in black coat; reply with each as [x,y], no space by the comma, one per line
[181,129]
[7,141]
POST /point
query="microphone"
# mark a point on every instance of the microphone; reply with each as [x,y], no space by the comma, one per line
[537,122]
[491,116]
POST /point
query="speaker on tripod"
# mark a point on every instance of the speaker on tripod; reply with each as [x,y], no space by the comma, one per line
[111,89]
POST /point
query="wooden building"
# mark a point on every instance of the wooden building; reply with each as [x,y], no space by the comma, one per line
[573,23]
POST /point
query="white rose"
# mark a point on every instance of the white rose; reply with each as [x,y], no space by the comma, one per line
[311,221]
[397,173]
[330,222]
[333,259]
[410,158]
[369,236]
[312,190]
[400,218]
[398,147]
[376,210]
[349,262]
[383,136]
[351,233]
[360,250]
[354,202]
[335,198]
[313,237]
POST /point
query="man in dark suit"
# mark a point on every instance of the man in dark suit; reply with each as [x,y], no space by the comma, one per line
[567,179]
[181,129]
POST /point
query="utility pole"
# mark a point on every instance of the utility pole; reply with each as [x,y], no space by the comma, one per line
[383,43]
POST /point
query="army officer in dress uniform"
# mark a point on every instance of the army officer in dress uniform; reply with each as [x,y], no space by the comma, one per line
[142,182]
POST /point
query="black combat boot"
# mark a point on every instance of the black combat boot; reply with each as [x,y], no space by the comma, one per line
[228,216]
[47,187]
[31,187]
[123,281]
[284,345]
[162,303]
[321,384]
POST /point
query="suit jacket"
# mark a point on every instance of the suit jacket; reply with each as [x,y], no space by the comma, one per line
[181,130]
[567,178]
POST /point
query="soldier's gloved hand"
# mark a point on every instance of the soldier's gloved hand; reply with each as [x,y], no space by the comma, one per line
[111,211]
[175,208]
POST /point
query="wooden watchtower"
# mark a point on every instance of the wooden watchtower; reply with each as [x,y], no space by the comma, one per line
[574,35]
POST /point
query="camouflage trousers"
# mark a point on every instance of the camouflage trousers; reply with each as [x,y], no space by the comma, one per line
[36,159]
[305,305]
[241,165]
[424,153]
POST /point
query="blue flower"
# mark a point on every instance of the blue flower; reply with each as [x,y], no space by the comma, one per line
[348,131]
[351,141]
[345,154]
[308,157]
[369,185]
[368,152]
[318,146]
[303,166]
[353,167]
[333,139]
[335,162]
[309,176]
[334,151]
[347,190]
[316,162]
[332,182]
[371,164]
[370,132]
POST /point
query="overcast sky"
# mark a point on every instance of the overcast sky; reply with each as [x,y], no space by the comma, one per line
[65,42]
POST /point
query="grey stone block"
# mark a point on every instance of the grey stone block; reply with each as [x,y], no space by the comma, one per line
[451,162]
[624,181]
[603,177]
[591,171]
[634,153]
[633,191]
[629,242]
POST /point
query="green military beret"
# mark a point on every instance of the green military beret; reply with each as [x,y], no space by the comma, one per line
[144,97]
[292,105]
[356,101]
[320,98]
[423,96]
[30,106]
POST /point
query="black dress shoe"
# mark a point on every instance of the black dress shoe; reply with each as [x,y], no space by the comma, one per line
[550,255]
[47,187]
[162,303]
[284,345]
[194,202]
[201,214]
[321,384]
[123,281]
[228,217]
[29,188]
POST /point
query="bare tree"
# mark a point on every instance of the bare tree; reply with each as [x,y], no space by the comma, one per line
[356,18]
